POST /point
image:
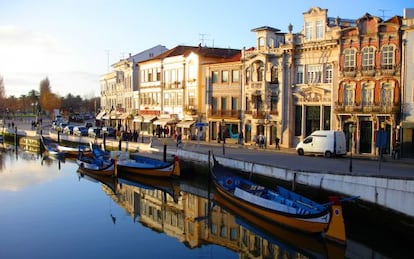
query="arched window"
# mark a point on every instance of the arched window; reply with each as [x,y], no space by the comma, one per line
[348,95]
[367,94]
[386,94]
[260,73]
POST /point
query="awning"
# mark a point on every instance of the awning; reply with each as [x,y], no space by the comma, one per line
[185,124]
[100,115]
[147,118]
[164,121]
[125,116]
[112,115]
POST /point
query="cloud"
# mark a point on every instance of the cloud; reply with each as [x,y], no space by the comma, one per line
[27,57]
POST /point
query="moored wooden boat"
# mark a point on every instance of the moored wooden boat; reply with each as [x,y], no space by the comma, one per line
[96,164]
[147,166]
[49,147]
[74,151]
[313,246]
[280,205]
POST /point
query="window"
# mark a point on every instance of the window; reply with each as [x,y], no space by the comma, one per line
[150,75]
[274,75]
[180,98]
[328,73]
[191,98]
[214,77]
[367,94]
[158,74]
[224,76]
[368,58]
[314,74]
[299,74]
[214,103]
[262,42]
[319,30]
[235,76]
[234,103]
[308,30]
[386,95]
[348,95]
[260,73]
[387,61]
[349,60]
[224,103]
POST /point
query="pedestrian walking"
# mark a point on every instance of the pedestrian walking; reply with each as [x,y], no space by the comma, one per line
[277,140]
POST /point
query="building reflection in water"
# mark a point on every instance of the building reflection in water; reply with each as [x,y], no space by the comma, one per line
[184,212]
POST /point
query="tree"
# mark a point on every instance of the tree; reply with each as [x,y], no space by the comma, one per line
[48,100]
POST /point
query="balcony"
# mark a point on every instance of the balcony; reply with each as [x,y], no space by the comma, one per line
[218,114]
[368,70]
[367,109]
[388,70]
[349,71]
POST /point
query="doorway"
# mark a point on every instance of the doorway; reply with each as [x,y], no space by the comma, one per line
[365,138]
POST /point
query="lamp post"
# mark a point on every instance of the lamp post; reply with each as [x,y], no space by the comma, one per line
[265,130]
[351,131]
[222,135]
[142,132]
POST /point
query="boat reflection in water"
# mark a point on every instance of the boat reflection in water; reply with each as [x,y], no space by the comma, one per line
[183,211]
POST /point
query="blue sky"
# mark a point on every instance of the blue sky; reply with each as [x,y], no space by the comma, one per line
[71,42]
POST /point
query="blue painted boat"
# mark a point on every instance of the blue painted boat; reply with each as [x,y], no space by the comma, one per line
[280,205]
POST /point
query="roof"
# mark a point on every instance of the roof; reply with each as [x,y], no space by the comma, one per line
[265,28]
[182,50]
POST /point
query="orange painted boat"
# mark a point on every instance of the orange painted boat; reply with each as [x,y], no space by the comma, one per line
[280,205]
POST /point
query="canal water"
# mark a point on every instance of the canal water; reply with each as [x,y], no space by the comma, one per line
[49,209]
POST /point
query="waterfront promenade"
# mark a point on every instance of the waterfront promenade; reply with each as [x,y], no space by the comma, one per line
[388,183]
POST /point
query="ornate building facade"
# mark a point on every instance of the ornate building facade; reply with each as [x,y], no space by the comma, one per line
[369,84]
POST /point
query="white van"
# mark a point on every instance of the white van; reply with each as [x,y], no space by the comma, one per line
[325,142]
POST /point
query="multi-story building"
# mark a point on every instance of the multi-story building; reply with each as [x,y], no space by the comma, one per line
[224,99]
[369,84]
[289,79]
[119,85]
[405,130]
[173,88]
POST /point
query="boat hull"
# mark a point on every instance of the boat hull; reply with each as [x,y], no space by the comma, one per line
[317,224]
[149,167]
[312,244]
[107,169]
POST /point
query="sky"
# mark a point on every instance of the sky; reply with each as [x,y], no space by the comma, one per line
[74,43]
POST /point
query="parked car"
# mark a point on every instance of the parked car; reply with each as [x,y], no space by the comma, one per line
[109,131]
[94,132]
[60,126]
[88,125]
[68,130]
[80,131]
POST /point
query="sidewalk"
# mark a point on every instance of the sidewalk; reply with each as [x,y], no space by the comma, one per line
[190,144]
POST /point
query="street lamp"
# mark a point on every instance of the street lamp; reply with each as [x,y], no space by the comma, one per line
[222,135]
[265,131]
[351,131]
[142,132]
